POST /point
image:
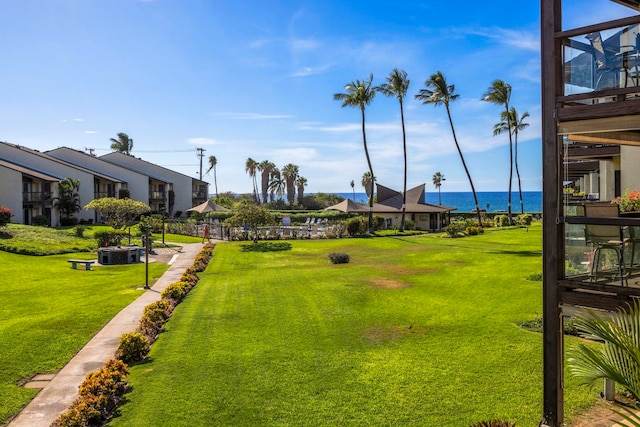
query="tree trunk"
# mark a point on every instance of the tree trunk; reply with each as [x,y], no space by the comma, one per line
[404,148]
[464,164]
[366,152]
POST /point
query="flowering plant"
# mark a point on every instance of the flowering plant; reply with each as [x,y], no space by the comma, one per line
[629,202]
[5,215]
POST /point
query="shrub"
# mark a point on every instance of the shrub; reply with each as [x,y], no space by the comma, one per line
[66,222]
[408,224]
[339,257]
[79,230]
[5,215]
[378,222]
[524,219]
[175,291]
[500,220]
[455,229]
[473,230]
[133,347]
[100,393]
[40,221]
[107,238]
[356,225]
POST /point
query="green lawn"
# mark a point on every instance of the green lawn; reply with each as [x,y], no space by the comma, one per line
[413,331]
[49,311]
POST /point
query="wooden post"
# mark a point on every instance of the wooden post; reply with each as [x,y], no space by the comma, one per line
[552,241]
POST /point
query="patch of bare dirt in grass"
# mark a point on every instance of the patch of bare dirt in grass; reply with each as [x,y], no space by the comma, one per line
[382,283]
[455,263]
[381,334]
[407,271]
[599,415]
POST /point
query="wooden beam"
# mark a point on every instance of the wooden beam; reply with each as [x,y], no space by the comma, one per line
[617,138]
[608,124]
[615,110]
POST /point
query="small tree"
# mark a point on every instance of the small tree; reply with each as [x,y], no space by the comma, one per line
[252,216]
[5,215]
[118,213]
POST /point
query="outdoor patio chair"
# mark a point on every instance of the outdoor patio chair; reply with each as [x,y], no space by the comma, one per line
[605,64]
[605,239]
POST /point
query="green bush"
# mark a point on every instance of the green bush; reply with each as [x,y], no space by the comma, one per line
[108,238]
[378,223]
[100,393]
[176,291]
[473,230]
[408,224]
[40,221]
[356,225]
[339,257]
[79,230]
[133,347]
[67,222]
[455,229]
[524,219]
[500,220]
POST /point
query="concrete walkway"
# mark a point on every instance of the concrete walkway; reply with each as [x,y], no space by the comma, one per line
[59,393]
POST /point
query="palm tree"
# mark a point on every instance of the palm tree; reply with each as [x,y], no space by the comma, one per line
[353,189]
[437,182]
[265,167]
[123,144]
[68,200]
[499,93]
[250,167]
[290,174]
[397,85]
[514,124]
[213,162]
[617,358]
[275,176]
[301,182]
[360,94]
[367,183]
[277,184]
[439,93]
[518,125]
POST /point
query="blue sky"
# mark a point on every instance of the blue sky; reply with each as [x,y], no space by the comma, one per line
[256,79]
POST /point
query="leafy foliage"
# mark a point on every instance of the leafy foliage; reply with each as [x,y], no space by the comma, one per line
[339,257]
[133,347]
[5,215]
[251,215]
[118,213]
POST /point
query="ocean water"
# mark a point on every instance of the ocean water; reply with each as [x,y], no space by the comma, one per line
[490,200]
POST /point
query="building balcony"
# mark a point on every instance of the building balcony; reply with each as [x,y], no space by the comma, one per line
[103,194]
[35,197]
[157,195]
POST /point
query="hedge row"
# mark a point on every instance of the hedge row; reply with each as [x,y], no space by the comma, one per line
[103,389]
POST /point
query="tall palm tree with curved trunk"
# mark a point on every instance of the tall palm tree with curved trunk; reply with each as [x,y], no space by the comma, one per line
[290,174]
[265,167]
[397,85]
[517,124]
[353,189]
[499,93]
[360,94]
[438,92]
[213,162]
[437,182]
[123,144]
[301,182]
[250,167]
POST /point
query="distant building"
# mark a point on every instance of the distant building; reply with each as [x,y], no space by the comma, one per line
[29,182]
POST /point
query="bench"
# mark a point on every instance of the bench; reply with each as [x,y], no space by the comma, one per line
[75,262]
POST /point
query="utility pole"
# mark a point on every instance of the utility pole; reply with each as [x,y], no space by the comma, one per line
[201,155]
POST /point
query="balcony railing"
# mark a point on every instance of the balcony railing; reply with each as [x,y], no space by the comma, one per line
[199,195]
[157,195]
[35,196]
[102,194]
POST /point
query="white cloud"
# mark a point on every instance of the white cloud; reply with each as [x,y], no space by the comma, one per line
[90,132]
[202,141]
[520,39]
